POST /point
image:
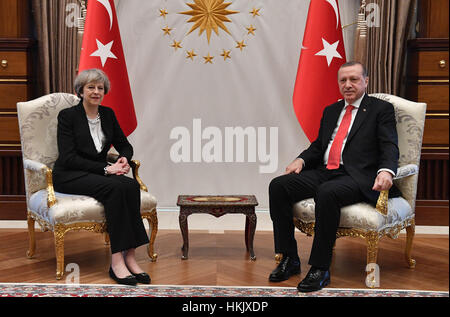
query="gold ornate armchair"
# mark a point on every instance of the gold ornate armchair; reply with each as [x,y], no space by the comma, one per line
[390,215]
[55,211]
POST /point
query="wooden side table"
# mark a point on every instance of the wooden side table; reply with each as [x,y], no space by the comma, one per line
[218,206]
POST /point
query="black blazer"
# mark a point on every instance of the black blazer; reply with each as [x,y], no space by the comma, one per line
[77,153]
[372,143]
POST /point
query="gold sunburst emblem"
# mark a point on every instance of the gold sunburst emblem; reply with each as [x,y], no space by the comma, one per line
[209,15]
[234,34]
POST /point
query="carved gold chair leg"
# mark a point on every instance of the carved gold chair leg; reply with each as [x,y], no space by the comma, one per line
[152,220]
[372,246]
[372,239]
[31,236]
[410,232]
[59,250]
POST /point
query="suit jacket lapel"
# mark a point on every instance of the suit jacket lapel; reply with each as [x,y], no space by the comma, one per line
[84,125]
[361,115]
[331,122]
[105,122]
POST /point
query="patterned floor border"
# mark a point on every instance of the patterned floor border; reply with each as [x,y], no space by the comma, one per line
[113,290]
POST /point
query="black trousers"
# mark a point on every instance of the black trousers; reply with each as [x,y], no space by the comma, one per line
[331,190]
[121,198]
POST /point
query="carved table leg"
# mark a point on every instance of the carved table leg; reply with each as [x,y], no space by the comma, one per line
[185,234]
[247,225]
[250,227]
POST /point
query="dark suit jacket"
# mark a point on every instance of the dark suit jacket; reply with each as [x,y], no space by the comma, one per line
[372,143]
[77,153]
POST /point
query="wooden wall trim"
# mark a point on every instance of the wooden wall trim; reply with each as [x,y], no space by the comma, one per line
[16,44]
[432,212]
[428,44]
[13,207]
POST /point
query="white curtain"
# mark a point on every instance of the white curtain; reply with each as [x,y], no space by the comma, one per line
[221,127]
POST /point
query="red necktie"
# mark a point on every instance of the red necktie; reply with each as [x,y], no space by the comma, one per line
[334,157]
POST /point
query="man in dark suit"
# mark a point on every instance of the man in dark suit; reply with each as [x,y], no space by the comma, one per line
[354,157]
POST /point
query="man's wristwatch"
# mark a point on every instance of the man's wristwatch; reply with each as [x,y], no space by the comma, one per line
[106,172]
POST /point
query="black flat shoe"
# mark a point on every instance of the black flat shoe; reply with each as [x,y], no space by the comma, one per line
[128,280]
[285,270]
[142,278]
[315,280]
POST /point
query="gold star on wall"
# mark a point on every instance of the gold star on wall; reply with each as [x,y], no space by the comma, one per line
[163,13]
[191,54]
[255,12]
[251,30]
[176,45]
[209,15]
[241,45]
[208,59]
[226,54]
[167,30]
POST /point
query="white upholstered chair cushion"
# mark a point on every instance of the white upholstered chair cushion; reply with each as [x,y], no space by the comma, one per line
[362,215]
[71,209]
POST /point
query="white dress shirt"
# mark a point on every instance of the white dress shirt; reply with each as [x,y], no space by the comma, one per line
[95,127]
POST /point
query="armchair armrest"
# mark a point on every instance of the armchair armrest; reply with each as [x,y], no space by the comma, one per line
[35,166]
[135,164]
[382,202]
[407,170]
[402,172]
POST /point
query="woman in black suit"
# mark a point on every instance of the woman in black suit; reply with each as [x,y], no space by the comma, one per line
[85,134]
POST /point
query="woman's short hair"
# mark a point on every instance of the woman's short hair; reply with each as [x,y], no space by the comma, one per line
[89,76]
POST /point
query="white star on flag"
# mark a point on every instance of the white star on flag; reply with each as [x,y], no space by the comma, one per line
[104,52]
[329,51]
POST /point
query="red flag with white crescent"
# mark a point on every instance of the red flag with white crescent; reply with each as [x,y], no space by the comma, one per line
[322,54]
[102,49]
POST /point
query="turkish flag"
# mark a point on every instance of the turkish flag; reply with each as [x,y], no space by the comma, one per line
[322,54]
[102,49]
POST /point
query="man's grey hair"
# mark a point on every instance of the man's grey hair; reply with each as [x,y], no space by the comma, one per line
[88,76]
[352,63]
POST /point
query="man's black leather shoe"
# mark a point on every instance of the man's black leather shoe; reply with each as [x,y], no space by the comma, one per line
[315,280]
[285,269]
